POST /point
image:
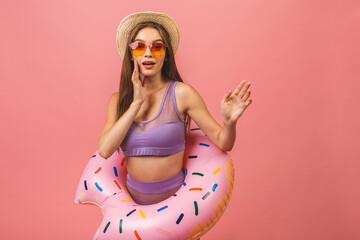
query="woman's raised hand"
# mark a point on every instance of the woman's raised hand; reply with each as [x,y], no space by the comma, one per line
[234,104]
[139,83]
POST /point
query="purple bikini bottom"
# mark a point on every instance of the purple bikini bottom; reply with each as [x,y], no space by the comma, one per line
[146,193]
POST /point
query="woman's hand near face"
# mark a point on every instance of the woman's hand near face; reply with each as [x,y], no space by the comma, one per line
[234,104]
[139,83]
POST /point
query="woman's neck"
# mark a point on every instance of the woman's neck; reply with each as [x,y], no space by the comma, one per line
[155,83]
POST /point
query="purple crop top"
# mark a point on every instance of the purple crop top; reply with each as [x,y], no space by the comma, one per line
[164,134]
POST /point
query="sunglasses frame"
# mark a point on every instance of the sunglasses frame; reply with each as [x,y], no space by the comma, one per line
[147,46]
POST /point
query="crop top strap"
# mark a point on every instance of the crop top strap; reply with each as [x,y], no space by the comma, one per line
[174,100]
[170,110]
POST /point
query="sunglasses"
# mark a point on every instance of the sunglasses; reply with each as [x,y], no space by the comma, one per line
[139,48]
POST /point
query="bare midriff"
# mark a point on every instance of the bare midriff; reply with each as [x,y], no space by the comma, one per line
[154,168]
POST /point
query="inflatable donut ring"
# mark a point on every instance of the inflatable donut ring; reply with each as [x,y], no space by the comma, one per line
[188,214]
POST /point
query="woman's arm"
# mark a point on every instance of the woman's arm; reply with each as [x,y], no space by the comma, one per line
[232,106]
[114,131]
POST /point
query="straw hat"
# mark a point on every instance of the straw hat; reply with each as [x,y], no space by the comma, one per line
[129,22]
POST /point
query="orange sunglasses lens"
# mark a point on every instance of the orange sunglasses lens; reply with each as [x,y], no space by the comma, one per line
[138,48]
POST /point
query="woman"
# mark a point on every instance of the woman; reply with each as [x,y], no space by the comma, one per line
[149,115]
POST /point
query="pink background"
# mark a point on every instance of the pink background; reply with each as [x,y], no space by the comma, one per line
[297,149]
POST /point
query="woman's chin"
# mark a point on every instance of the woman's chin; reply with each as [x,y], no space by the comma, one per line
[149,73]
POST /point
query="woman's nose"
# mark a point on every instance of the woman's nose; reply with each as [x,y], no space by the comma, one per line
[148,51]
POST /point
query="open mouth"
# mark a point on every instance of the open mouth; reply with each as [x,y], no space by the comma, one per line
[148,65]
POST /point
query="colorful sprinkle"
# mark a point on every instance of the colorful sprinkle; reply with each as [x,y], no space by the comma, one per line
[160,209]
[137,235]
[196,208]
[196,173]
[123,161]
[98,170]
[163,232]
[125,200]
[120,227]
[115,171]
[131,212]
[117,184]
[184,184]
[203,144]
[85,185]
[206,195]
[174,195]
[193,129]
[185,171]
[214,187]
[95,155]
[97,185]
[107,225]
[142,213]
[216,171]
[180,218]
[192,156]
[195,189]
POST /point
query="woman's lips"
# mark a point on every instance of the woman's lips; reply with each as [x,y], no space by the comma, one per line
[149,66]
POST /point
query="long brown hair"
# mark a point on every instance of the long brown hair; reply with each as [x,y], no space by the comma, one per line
[169,70]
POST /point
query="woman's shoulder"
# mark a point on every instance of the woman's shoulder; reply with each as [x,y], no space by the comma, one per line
[113,100]
[187,96]
[114,96]
[184,90]
[184,87]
